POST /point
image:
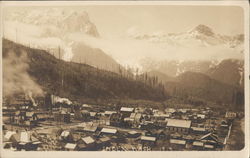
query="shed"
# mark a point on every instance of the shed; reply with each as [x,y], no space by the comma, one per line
[90,129]
[109,131]
[147,138]
[126,109]
[88,140]
[177,141]
[9,135]
[209,147]
[65,134]
[70,146]
[198,144]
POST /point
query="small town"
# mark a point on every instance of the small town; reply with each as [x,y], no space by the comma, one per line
[68,127]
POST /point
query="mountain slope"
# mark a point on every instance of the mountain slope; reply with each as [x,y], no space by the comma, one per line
[94,57]
[202,86]
[228,71]
[161,76]
[76,81]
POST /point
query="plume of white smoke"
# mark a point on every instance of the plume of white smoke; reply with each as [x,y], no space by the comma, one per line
[57,99]
[32,99]
[16,79]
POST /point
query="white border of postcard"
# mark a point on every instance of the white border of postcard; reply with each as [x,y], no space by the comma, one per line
[158,154]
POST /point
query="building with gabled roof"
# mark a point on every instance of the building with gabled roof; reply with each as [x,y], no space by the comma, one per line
[211,139]
[177,144]
[177,125]
[126,111]
[210,136]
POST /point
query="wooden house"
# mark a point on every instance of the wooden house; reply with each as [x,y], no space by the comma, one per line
[176,125]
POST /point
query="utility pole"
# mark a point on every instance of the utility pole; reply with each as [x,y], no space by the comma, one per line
[59,52]
[16,35]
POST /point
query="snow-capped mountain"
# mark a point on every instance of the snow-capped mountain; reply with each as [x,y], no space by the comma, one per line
[72,32]
[201,35]
[54,30]
[52,19]
[176,67]
[228,71]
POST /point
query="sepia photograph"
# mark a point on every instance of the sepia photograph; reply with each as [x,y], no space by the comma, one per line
[115,77]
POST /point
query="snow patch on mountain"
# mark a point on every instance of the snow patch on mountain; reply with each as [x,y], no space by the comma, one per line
[66,20]
[201,35]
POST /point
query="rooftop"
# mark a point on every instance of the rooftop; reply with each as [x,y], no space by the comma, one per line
[126,109]
[147,138]
[70,146]
[86,105]
[65,134]
[197,143]
[109,112]
[178,123]
[208,146]
[210,136]
[88,140]
[198,129]
[109,130]
[90,128]
[133,132]
[9,134]
[104,139]
[176,141]
[25,137]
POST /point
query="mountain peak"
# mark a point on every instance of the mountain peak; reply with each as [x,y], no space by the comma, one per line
[67,20]
[203,29]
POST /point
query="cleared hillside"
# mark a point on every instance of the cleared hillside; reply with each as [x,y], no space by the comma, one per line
[73,80]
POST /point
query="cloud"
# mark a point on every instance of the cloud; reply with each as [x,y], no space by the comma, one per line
[38,37]
[133,31]
[131,51]
[125,50]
